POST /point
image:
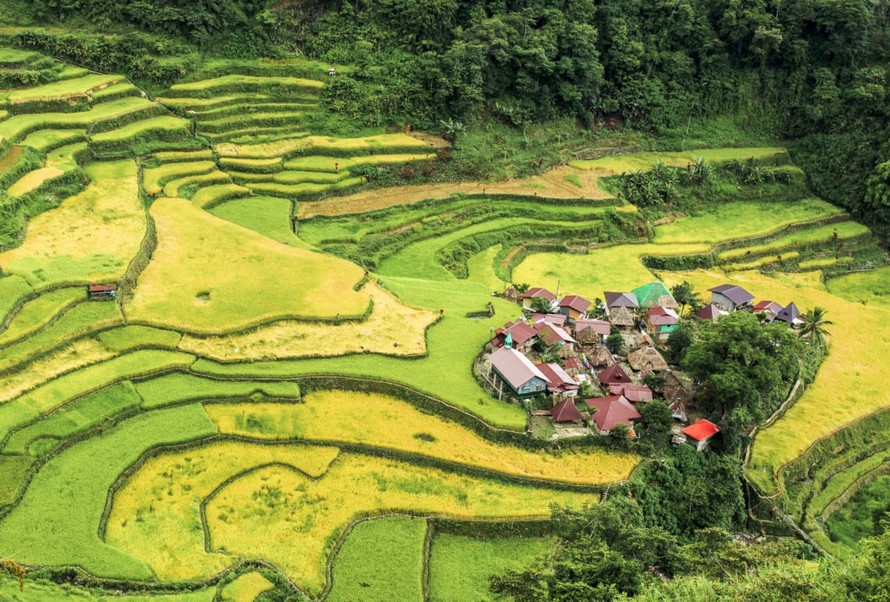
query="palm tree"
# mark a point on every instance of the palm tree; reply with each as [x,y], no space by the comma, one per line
[814,324]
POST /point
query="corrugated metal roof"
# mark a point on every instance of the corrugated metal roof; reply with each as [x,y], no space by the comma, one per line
[515,367]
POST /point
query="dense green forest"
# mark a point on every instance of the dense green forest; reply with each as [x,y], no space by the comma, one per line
[814,72]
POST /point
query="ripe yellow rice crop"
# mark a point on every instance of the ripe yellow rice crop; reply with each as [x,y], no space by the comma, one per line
[301,518]
[369,418]
[392,328]
[155,515]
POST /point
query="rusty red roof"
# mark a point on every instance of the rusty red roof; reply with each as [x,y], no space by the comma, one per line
[660,316]
[701,430]
[102,288]
[768,306]
[557,379]
[565,411]
[614,374]
[600,327]
[709,312]
[515,367]
[558,319]
[538,292]
[611,411]
[635,393]
[520,331]
[579,304]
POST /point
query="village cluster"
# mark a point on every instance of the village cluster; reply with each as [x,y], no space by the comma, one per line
[588,366]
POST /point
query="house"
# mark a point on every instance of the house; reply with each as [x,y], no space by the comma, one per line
[700,433]
[98,292]
[573,306]
[516,371]
[611,411]
[647,357]
[565,411]
[790,315]
[531,294]
[614,377]
[622,318]
[550,334]
[637,393]
[518,335]
[662,322]
[601,358]
[557,319]
[770,308]
[655,294]
[573,366]
[592,331]
[709,313]
[730,297]
[558,380]
[616,300]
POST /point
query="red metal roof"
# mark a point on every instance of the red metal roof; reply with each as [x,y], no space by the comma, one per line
[538,292]
[660,316]
[101,288]
[600,327]
[637,393]
[701,430]
[614,374]
[708,312]
[611,411]
[520,331]
[557,378]
[565,411]
[515,367]
[579,304]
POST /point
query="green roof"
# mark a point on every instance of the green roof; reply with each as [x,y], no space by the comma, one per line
[648,294]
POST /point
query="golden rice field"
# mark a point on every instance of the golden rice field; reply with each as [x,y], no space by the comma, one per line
[209,275]
[306,145]
[345,416]
[156,515]
[89,237]
[245,588]
[301,518]
[393,328]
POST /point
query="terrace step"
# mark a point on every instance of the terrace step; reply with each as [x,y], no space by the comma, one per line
[237,110]
[256,134]
[285,86]
[244,121]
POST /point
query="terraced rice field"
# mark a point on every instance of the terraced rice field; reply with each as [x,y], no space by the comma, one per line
[151,436]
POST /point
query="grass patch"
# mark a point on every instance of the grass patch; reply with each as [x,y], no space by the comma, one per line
[182,156]
[618,164]
[245,588]
[381,560]
[38,312]
[244,83]
[156,516]
[823,235]
[741,220]
[302,518]
[89,237]
[178,387]
[127,337]
[864,287]
[57,521]
[198,252]
[460,566]
[208,196]
[18,126]
[266,215]
[74,418]
[33,179]
[59,391]
[177,187]
[154,179]
[283,148]
[64,88]
[392,328]
[12,289]
[855,519]
[761,261]
[44,591]
[346,417]
[48,139]
[13,470]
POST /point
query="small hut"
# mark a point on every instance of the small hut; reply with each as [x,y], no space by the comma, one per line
[601,358]
[647,358]
[622,317]
[100,292]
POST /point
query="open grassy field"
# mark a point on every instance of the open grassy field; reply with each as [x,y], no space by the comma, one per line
[57,521]
[156,515]
[45,591]
[618,164]
[33,179]
[262,279]
[154,178]
[178,387]
[865,287]
[460,566]
[380,560]
[89,237]
[855,520]
[818,235]
[393,328]
[18,126]
[63,88]
[267,215]
[302,517]
[344,417]
[37,313]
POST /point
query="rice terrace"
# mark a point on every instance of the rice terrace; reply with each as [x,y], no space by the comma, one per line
[314,301]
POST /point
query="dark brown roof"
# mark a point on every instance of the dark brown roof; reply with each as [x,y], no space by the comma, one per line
[614,374]
[552,334]
[611,411]
[621,300]
[538,292]
[579,304]
[734,293]
[565,411]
